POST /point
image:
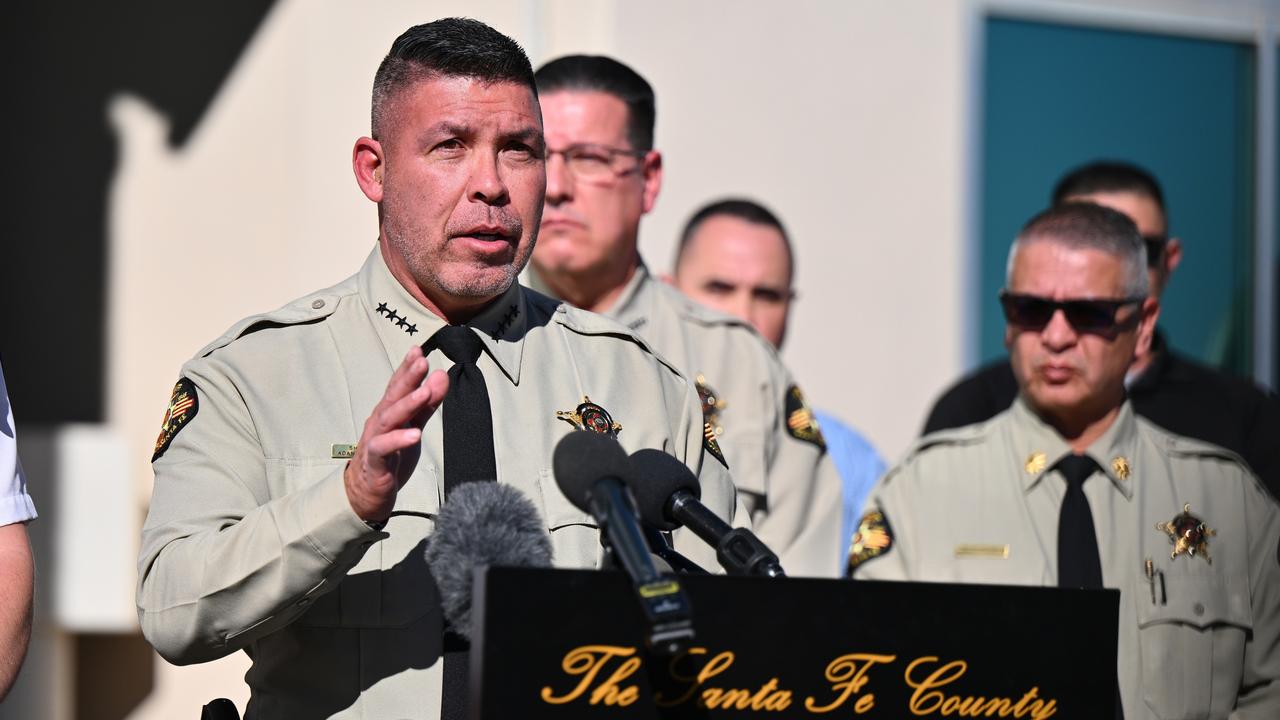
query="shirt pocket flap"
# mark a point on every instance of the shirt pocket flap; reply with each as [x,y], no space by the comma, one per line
[1197,600]
[556,508]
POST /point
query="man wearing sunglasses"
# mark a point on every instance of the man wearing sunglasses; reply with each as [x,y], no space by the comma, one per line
[603,175]
[1069,487]
[1173,392]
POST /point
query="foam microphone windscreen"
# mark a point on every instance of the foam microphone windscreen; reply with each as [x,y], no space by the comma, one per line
[482,523]
[655,477]
[581,458]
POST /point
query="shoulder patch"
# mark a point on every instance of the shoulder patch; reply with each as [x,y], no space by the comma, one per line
[710,444]
[872,539]
[801,422]
[183,405]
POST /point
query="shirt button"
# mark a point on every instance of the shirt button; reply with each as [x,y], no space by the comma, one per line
[317,304]
[1198,609]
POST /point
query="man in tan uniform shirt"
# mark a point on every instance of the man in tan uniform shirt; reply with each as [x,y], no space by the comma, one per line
[1183,529]
[290,513]
[602,176]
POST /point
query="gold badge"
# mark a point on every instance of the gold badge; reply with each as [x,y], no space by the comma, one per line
[341,450]
[710,445]
[592,417]
[712,403]
[1036,462]
[873,539]
[183,405]
[801,422]
[1121,465]
[1188,534]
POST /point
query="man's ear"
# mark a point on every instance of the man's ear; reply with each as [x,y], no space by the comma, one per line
[1172,256]
[1147,326]
[652,170]
[367,163]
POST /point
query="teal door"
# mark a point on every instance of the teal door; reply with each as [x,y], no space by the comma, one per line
[1059,96]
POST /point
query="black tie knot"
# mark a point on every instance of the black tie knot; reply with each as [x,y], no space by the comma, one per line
[459,343]
[1077,468]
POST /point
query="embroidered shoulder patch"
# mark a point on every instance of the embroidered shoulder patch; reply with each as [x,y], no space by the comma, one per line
[710,445]
[182,407]
[801,422]
[873,539]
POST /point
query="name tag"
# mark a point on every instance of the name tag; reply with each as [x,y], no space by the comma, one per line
[344,451]
[989,551]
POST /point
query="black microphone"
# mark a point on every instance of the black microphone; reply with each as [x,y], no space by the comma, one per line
[667,495]
[482,523]
[589,468]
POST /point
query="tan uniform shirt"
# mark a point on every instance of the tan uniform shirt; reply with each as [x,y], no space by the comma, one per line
[768,433]
[250,542]
[980,504]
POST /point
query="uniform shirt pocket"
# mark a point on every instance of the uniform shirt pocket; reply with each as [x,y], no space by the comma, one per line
[575,538]
[1192,646]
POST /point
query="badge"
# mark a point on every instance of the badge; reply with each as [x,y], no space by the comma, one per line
[1188,534]
[343,451]
[873,539]
[801,422]
[1121,466]
[712,403]
[182,407]
[590,416]
[1036,462]
[710,445]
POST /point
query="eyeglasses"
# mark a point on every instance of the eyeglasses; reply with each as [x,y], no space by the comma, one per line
[1087,316]
[1155,248]
[595,163]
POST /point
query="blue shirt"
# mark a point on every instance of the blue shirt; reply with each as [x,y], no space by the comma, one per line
[859,466]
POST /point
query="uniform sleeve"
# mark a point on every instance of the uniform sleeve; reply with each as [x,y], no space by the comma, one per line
[1260,692]
[15,503]
[800,520]
[223,562]
[881,546]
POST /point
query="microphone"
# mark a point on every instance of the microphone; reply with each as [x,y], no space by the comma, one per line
[667,495]
[589,468]
[482,523]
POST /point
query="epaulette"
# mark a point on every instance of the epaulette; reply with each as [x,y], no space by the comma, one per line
[966,435]
[1182,446]
[308,308]
[585,322]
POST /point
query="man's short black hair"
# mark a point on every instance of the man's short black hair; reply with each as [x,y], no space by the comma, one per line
[452,47]
[597,73]
[1108,176]
[743,209]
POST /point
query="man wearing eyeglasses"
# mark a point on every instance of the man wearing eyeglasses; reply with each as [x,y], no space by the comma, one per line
[1173,392]
[603,175]
[1070,488]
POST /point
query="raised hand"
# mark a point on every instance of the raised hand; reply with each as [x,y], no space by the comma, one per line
[391,440]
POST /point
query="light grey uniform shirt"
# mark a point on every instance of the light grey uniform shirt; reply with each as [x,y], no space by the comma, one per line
[768,433]
[980,504]
[251,543]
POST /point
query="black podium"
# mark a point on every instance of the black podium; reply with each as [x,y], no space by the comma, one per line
[568,644]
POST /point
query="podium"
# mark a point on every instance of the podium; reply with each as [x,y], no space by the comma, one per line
[568,644]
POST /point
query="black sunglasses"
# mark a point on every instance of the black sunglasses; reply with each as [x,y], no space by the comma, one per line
[1155,248]
[1086,316]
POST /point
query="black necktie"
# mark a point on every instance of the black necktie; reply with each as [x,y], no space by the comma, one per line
[467,420]
[468,457]
[1078,563]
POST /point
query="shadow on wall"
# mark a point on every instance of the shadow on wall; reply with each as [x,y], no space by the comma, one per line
[60,63]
